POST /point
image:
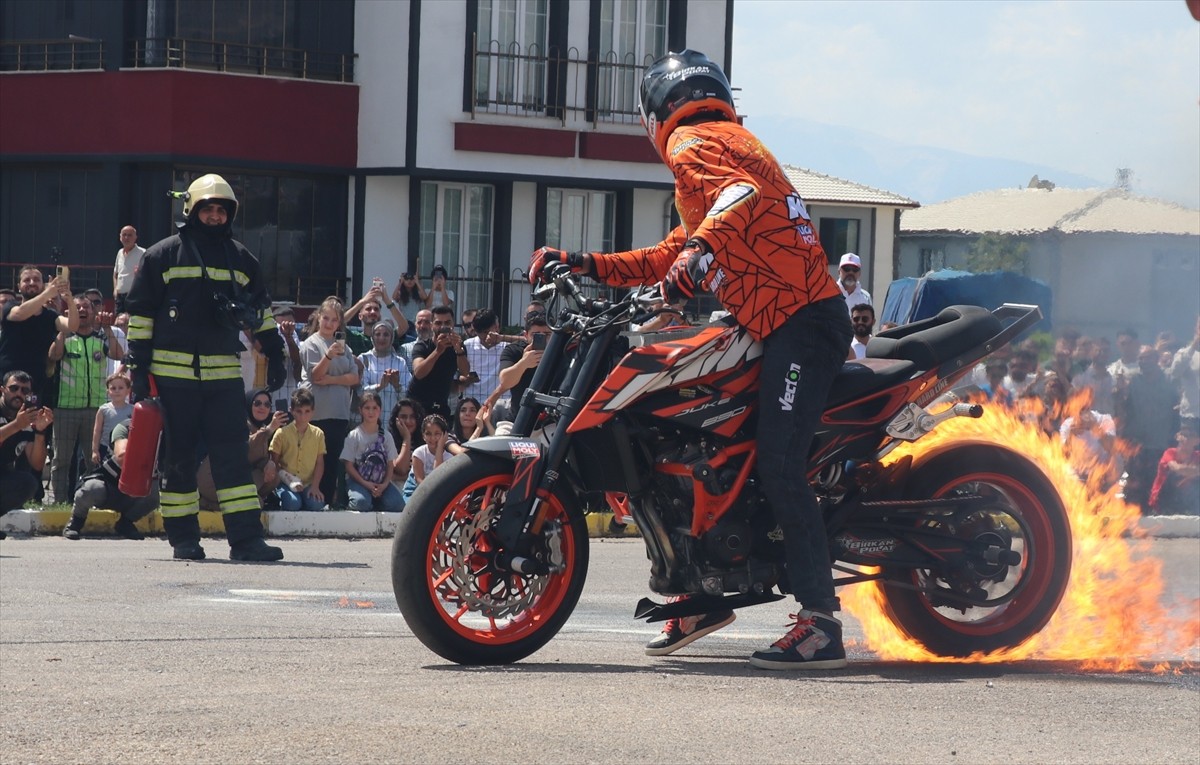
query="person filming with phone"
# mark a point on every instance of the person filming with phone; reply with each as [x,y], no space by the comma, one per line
[330,373]
[22,441]
[518,363]
[28,328]
[437,363]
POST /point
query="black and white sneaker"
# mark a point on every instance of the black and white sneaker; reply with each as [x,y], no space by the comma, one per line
[813,642]
[679,632]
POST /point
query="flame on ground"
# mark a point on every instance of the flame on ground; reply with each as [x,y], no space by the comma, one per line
[1111,617]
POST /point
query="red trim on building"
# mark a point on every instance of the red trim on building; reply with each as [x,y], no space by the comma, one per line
[183,113]
[511,139]
[617,147]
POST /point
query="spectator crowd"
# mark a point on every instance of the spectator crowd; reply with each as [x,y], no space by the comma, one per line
[377,394]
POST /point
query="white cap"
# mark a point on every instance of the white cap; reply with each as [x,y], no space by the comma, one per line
[850,259]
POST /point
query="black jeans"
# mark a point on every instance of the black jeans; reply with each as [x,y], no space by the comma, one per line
[335,438]
[800,360]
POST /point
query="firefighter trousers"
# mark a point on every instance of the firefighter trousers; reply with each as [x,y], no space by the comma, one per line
[207,418]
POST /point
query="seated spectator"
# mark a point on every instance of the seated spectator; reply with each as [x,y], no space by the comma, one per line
[23,427]
[262,423]
[472,421]
[109,415]
[101,489]
[404,425]
[298,450]
[369,456]
[1176,489]
[431,454]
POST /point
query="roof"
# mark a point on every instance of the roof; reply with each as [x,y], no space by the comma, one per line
[1036,211]
[818,187]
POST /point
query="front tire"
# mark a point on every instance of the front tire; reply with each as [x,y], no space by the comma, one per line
[453,597]
[1027,507]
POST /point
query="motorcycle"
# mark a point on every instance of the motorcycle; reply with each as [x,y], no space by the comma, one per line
[971,544]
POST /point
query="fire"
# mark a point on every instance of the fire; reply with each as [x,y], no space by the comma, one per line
[1112,617]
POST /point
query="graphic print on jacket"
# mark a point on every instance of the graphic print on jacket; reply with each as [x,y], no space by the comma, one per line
[732,195]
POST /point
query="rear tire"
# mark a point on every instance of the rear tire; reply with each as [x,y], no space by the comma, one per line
[1034,514]
[451,595]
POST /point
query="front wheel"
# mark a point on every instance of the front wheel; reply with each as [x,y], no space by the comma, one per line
[1026,515]
[450,591]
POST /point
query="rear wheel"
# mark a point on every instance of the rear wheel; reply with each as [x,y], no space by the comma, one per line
[449,589]
[1011,602]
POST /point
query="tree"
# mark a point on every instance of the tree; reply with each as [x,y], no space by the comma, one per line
[998,252]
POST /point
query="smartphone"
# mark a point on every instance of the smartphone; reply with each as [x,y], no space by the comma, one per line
[281,405]
[539,341]
[64,272]
[31,401]
[377,283]
[442,331]
[339,336]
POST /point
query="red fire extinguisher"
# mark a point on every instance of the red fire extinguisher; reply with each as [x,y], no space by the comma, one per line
[141,450]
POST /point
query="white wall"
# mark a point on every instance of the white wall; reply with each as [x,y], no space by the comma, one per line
[381,69]
[649,223]
[385,234]
[706,28]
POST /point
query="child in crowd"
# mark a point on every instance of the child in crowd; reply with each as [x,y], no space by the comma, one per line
[298,450]
[404,425]
[368,456]
[118,409]
[436,432]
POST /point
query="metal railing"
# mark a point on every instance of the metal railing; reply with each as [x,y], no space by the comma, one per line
[529,81]
[51,55]
[266,60]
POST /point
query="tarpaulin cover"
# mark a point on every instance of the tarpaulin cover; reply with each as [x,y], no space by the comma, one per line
[910,299]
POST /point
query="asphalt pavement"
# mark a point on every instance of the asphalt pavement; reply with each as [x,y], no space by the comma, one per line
[112,652]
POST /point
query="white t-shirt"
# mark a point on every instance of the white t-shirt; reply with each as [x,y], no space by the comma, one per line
[486,363]
[424,455]
[860,349]
[126,267]
[445,297]
[857,297]
[372,454]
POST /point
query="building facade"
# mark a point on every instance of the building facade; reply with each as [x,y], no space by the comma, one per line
[363,138]
[1111,258]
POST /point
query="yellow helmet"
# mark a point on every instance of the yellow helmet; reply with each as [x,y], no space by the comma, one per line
[207,188]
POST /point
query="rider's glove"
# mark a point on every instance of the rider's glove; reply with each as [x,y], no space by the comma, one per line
[547,255]
[688,270]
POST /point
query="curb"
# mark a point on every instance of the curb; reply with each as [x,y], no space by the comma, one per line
[277,523]
[352,525]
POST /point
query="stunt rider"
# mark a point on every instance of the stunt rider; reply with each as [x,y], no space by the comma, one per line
[194,294]
[747,238]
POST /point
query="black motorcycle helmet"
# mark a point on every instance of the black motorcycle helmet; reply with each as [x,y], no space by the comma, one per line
[678,86]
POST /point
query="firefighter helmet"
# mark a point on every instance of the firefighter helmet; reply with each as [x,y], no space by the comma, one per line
[209,188]
[678,86]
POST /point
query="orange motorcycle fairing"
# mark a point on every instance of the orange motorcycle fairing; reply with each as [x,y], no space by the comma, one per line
[698,360]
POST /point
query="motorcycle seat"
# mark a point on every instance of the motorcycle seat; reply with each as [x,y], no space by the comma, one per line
[929,342]
[860,377]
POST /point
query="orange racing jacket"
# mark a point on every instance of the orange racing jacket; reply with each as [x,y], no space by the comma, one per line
[733,197]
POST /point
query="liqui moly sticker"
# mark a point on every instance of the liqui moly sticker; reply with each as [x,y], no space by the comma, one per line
[524,449]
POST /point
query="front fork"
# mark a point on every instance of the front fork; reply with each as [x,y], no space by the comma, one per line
[537,471]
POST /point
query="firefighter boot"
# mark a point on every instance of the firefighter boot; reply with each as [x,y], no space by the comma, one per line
[245,532]
[183,532]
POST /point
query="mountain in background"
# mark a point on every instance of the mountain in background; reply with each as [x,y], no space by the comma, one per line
[921,173]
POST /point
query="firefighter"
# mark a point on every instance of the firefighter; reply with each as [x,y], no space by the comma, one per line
[195,293]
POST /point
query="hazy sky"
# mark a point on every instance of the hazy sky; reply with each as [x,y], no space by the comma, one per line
[1085,86]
